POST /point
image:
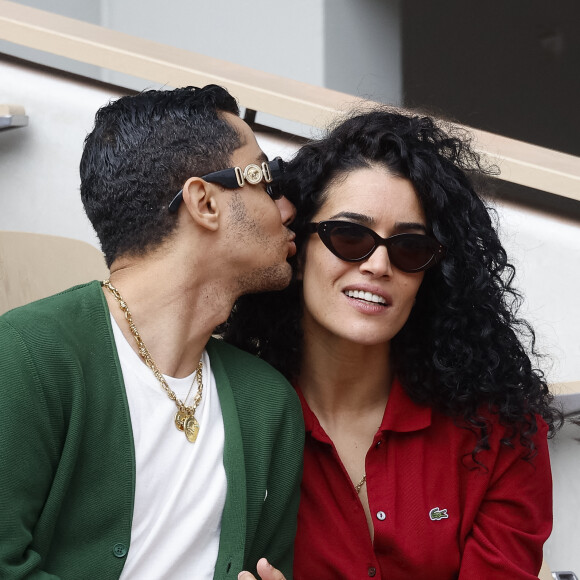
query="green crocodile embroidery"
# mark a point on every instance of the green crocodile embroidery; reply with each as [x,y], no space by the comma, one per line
[437,514]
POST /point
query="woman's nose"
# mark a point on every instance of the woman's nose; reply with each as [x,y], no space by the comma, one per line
[287,210]
[378,263]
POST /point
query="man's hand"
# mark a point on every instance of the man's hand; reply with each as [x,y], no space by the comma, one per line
[265,570]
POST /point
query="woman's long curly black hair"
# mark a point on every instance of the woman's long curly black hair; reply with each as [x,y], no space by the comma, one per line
[463,347]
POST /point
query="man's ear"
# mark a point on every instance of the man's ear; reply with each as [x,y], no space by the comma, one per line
[201,203]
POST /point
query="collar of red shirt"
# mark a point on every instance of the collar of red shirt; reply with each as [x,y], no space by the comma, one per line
[401,414]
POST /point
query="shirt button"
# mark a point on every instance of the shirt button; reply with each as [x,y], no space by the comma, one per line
[372,572]
[381,516]
[379,443]
[120,550]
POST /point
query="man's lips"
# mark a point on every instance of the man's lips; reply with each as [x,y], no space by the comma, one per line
[291,243]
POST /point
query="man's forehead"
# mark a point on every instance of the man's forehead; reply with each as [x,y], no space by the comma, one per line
[243,156]
[241,127]
[249,151]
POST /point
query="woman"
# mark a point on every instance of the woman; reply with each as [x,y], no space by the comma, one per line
[426,452]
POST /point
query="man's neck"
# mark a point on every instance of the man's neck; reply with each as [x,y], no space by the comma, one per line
[174,312]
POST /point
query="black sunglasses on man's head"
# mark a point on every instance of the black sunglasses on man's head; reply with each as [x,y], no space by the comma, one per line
[354,242]
[235,177]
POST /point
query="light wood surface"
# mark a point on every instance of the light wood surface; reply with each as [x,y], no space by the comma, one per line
[545,573]
[33,266]
[571,388]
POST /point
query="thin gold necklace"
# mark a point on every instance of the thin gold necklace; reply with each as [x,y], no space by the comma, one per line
[359,485]
[185,417]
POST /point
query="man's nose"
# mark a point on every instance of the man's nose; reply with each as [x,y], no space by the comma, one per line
[287,210]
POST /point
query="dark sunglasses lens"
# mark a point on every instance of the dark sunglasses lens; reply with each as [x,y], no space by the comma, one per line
[411,252]
[276,170]
[350,241]
[274,191]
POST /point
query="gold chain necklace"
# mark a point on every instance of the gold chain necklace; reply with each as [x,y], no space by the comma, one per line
[185,417]
[359,485]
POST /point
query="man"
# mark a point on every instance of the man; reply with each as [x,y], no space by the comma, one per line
[132,444]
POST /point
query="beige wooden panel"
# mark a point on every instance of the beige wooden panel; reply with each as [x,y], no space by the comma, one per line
[6,110]
[33,266]
[545,573]
[12,116]
[521,163]
[571,388]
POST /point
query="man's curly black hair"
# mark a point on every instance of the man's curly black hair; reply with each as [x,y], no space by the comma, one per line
[139,154]
[463,348]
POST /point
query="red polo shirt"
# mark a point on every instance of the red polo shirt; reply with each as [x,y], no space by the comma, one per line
[435,516]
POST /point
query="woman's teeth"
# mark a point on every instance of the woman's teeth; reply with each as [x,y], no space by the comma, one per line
[367,296]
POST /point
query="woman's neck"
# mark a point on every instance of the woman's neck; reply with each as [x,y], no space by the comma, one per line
[339,377]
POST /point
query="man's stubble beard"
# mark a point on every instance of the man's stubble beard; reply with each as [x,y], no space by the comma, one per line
[264,278]
[276,277]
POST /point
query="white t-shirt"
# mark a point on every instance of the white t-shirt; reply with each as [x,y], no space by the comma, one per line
[180,486]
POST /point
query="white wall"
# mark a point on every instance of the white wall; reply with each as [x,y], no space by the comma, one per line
[546,252]
[39,179]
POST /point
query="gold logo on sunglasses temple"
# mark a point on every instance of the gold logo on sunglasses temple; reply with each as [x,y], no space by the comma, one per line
[253,174]
[235,177]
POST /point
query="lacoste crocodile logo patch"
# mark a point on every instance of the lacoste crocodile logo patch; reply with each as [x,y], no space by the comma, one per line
[437,514]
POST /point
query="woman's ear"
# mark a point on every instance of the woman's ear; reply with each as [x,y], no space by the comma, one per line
[201,203]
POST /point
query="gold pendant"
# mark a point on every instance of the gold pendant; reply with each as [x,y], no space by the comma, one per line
[191,428]
[180,418]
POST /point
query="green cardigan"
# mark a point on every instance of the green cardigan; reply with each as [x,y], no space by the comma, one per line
[67,460]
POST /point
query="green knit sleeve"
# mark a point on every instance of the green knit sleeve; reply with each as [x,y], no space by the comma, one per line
[29,453]
[276,529]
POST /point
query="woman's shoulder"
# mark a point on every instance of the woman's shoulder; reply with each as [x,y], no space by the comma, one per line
[486,437]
